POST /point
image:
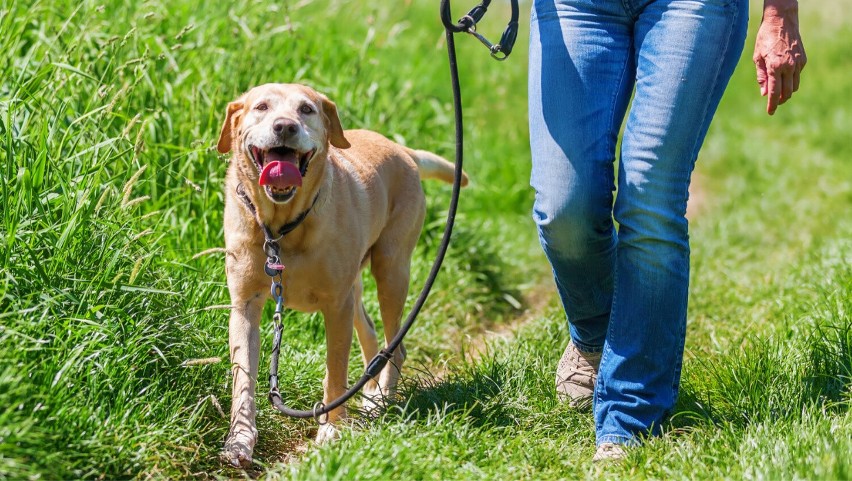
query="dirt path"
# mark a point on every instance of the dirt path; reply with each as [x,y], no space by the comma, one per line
[535,303]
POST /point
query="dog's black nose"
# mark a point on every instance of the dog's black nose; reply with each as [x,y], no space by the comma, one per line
[284,126]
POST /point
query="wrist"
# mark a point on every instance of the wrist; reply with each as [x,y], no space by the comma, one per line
[780,8]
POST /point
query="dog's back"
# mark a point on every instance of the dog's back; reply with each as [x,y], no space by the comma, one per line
[380,149]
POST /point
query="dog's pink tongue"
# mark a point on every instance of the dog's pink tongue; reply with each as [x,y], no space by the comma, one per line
[280,174]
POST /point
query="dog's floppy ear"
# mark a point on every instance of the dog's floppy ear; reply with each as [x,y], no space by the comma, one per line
[232,120]
[332,124]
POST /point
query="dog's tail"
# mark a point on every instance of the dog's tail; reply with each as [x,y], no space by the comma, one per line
[433,166]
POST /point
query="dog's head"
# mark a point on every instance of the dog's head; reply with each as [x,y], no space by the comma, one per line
[275,131]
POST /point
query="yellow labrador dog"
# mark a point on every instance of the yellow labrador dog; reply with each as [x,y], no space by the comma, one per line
[348,199]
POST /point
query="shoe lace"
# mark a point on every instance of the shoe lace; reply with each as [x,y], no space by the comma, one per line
[580,365]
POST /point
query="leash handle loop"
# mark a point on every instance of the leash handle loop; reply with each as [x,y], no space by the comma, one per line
[499,51]
[466,22]
[507,42]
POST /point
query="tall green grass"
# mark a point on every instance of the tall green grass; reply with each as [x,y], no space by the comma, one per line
[112,202]
[111,187]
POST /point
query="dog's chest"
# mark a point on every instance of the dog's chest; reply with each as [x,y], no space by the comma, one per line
[301,297]
[312,283]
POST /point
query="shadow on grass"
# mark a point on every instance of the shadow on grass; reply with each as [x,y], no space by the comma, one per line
[472,394]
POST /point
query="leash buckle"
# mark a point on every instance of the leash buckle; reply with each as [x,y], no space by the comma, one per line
[499,51]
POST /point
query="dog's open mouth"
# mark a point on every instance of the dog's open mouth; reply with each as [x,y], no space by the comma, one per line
[281,170]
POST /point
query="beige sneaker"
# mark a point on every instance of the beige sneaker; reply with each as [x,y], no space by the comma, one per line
[576,375]
[609,452]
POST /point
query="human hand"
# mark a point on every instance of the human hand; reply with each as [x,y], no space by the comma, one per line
[778,52]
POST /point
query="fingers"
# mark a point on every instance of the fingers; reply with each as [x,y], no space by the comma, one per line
[796,76]
[801,60]
[760,64]
[787,86]
[781,82]
[773,88]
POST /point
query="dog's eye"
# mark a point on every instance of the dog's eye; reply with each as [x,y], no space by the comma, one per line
[306,109]
[261,106]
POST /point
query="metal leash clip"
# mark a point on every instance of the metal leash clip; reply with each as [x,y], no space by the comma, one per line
[499,51]
[494,48]
[318,410]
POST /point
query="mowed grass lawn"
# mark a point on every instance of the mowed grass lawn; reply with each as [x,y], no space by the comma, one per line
[112,201]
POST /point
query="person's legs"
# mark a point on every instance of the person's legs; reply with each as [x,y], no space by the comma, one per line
[580,79]
[686,51]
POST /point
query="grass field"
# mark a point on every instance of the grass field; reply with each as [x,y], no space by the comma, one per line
[112,201]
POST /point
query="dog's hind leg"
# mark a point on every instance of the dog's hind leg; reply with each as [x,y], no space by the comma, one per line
[369,342]
[364,326]
[392,276]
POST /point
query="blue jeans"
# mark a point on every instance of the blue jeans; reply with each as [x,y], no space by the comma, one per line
[625,291]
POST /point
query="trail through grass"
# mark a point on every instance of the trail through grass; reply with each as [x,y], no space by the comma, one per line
[111,277]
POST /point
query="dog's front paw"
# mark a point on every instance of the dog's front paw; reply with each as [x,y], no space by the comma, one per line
[238,449]
[327,433]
